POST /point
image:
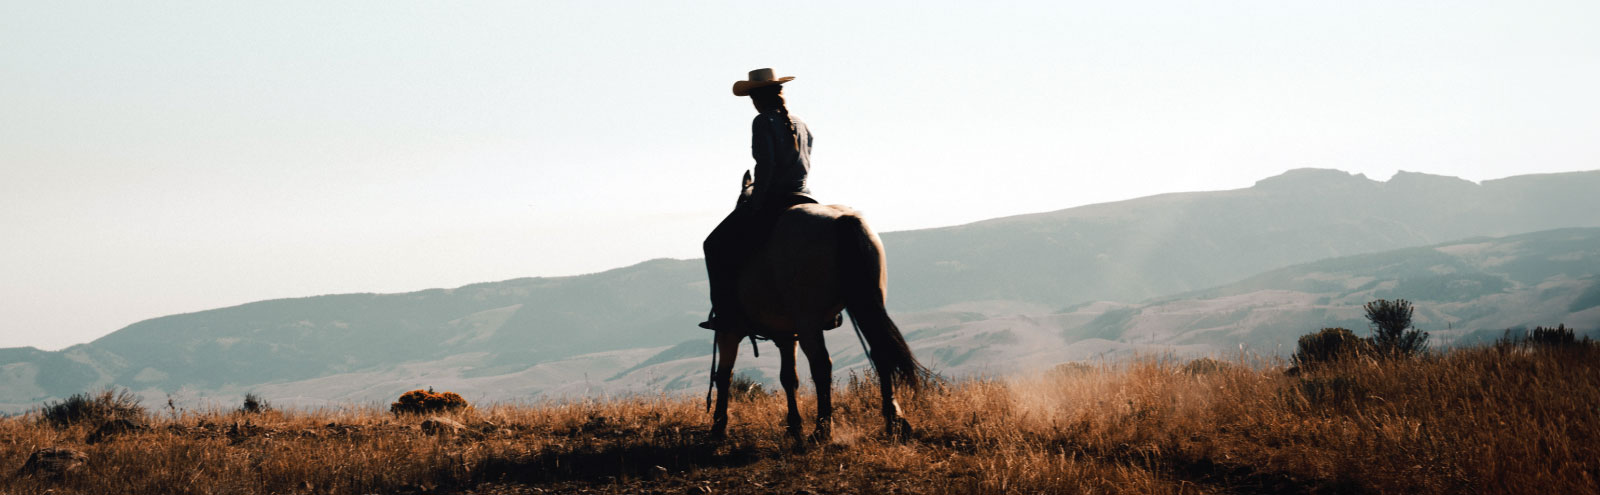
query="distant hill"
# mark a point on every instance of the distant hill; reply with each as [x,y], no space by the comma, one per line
[1119,253]
[514,324]
[1465,292]
[1148,247]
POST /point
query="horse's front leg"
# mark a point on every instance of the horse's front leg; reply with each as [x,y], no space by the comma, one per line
[728,351]
[822,376]
[791,381]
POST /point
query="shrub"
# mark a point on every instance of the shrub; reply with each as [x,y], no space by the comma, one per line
[1559,336]
[1329,345]
[1205,366]
[1073,368]
[426,402]
[1392,334]
[1337,392]
[742,387]
[254,404]
[83,408]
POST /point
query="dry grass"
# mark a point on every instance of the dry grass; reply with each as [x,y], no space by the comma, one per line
[1506,420]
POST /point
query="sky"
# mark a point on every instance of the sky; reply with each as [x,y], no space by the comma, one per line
[170,157]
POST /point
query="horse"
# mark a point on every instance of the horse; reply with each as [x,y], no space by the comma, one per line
[818,260]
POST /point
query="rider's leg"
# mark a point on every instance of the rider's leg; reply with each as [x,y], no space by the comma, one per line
[723,256]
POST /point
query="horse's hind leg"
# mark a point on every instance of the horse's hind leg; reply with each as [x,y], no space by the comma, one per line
[728,351]
[822,376]
[897,426]
[791,381]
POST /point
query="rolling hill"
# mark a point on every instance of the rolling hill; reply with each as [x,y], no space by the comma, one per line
[1068,284]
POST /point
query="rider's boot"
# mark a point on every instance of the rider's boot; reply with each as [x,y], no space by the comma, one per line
[724,302]
[723,321]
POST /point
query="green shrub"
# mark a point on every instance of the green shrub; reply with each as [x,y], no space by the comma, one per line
[1205,366]
[1073,368]
[1392,333]
[742,387]
[1558,336]
[83,408]
[427,402]
[1329,345]
[254,404]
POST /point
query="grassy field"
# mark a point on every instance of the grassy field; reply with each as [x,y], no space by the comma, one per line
[1489,420]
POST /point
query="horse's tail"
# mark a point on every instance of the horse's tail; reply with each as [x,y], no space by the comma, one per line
[862,279]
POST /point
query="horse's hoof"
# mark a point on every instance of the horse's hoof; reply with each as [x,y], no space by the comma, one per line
[900,429]
[822,435]
[719,432]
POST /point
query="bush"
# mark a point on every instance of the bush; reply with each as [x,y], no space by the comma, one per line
[1559,336]
[742,387]
[1206,366]
[1337,392]
[254,404]
[1392,334]
[83,408]
[1329,345]
[427,402]
[1073,368]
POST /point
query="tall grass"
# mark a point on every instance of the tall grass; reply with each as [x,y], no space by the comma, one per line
[1491,420]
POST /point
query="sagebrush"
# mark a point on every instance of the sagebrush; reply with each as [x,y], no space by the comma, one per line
[1327,346]
[427,402]
[93,409]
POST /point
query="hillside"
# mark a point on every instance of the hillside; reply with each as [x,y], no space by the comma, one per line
[490,329]
[1466,292]
[1150,247]
[963,293]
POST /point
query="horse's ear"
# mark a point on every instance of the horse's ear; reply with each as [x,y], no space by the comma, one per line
[746,179]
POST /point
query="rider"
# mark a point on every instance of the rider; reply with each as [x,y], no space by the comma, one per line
[781,146]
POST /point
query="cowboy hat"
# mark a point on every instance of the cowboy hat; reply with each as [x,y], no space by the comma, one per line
[758,78]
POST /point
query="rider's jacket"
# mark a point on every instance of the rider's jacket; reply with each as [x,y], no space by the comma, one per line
[781,145]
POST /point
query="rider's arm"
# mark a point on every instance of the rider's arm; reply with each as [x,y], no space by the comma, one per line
[762,147]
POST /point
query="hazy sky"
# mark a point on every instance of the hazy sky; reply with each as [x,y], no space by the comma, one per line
[167,157]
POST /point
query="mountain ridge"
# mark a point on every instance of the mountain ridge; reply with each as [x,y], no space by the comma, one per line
[1127,251]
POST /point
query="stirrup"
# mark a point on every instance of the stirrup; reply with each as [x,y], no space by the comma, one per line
[714,321]
[724,323]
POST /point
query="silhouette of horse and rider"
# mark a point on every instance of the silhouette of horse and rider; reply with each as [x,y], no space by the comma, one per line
[783,267]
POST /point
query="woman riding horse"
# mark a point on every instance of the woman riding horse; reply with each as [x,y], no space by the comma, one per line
[783,267]
[781,146]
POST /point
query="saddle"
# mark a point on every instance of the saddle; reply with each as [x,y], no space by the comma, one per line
[757,228]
